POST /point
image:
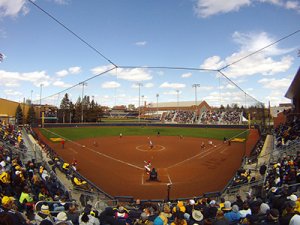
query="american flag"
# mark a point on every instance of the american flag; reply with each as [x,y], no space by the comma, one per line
[1,57]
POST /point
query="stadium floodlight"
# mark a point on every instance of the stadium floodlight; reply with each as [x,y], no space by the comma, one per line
[143,103]
[83,84]
[177,99]
[31,97]
[139,85]
[157,95]
[41,88]
[195,86]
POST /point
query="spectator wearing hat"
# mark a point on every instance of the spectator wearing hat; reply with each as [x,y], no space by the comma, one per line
[196,217]
[233,216]
[9,211]
[221,203]
[62,218]
[227,207]
[190,206]
[166,211]
[264,208]
[180,206]
[289,212]
[43,214]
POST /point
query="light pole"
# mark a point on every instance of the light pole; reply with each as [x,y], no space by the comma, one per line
[83,84]
[139,84]
[31,97]
[41,87]
[195,86]
[143,103]
[157,95]
[177,99]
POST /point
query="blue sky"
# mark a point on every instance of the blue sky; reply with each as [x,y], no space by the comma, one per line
[206,34]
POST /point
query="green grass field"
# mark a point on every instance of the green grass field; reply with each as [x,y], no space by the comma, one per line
[77,133]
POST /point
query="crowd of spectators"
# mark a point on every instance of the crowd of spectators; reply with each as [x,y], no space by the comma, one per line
[169,116]
[187,117]
[288,133]
[231,117]
[220,117]
[207,117]
[210,117]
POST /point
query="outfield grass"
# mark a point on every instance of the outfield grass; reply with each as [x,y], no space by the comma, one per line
[77,133]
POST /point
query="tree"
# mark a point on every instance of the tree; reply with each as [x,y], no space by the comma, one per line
[65,109]
[77,111]
[19,115]
[31,119]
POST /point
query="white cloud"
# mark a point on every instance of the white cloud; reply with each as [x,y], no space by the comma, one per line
[149,85]
[294,5]
[275,97]
[275,83]
[60,83]
[216,98]
[206,8]
[62,2]
[213,62]
[172,85]
[110,84]
[230,86]
[101,69]
[136,74]
[71,70]
[36,77]
[172,92]
[206,88]
[12,84]
[74,70]
[62,73]
[266,62]
[160,73]
[12,8]
[141,43]
[12,92]
[186,75]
